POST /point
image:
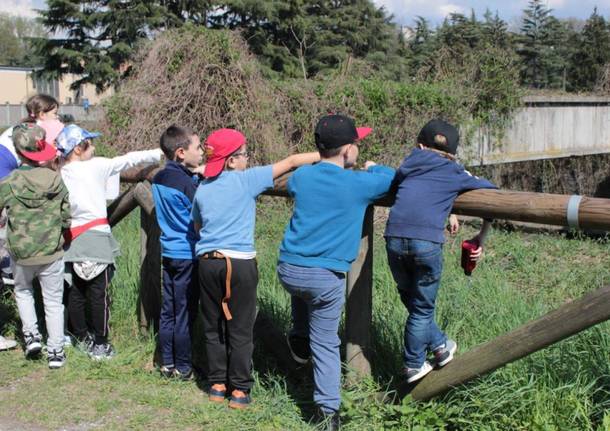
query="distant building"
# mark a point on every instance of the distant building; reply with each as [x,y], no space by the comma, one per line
[18,83]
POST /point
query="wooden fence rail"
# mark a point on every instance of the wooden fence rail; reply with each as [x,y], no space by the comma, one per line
[560,210]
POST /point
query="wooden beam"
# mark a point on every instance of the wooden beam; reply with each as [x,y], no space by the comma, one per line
[142,194]
[138,174]
[121,207]
[545,208]
[359,305]
[567,320]
[149,298]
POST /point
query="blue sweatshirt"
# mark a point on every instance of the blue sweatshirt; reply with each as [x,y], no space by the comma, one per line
[427,185]
[173,191]
[329,206]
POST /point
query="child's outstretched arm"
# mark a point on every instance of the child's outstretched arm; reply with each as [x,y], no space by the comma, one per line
[120,163]
[294,161]
[480,238]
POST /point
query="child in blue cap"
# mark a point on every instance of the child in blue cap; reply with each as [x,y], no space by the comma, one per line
[93,249]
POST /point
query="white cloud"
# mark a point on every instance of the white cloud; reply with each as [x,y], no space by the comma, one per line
[19,7]
[446,9]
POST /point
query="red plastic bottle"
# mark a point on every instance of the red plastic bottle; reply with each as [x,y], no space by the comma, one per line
[468,264]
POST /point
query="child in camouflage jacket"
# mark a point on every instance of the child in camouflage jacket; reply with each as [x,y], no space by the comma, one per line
[38,210]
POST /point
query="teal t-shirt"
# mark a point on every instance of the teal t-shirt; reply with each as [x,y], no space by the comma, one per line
[329,206]
[225,208]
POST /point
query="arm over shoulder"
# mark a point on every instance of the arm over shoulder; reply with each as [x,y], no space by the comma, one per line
[378,181]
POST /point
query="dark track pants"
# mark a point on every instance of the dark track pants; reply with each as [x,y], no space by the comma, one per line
[94,292]
[229,343]
[178,311]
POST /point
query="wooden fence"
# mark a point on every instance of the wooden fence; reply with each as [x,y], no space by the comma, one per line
[569,319]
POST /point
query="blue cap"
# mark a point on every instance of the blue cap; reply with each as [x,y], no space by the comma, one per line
[70,137]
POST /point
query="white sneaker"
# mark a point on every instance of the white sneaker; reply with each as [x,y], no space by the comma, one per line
[6,344]
[414,374]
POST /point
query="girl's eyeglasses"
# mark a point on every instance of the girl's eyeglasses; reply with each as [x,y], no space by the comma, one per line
[244,154]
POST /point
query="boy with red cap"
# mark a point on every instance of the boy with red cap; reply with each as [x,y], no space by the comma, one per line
[428,181]
[319,245]
[39,213]
[224,210]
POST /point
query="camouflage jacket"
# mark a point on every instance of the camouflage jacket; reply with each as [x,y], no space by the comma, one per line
[38,209]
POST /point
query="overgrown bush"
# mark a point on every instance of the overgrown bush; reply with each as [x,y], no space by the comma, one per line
[206,79]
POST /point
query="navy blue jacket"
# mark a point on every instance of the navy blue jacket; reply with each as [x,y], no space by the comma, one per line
[173,191]
[427,184]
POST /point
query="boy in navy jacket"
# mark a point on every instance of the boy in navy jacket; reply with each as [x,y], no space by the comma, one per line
[173,191]
[427,183]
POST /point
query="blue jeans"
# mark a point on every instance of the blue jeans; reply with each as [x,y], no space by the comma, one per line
[178,311]
[318,296]
[416,266]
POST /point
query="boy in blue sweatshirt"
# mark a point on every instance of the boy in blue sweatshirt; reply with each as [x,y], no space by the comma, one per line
[173,192]
[320,243]
[427,182]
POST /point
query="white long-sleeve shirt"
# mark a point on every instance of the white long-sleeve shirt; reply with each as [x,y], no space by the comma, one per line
[87,183]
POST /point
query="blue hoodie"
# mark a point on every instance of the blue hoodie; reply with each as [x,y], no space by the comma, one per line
[427,184]
[173,191]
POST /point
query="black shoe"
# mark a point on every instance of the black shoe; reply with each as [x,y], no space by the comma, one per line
[85,344]
[167,371]
[184,376]
[102,352]
[328,421]
[299,348]
[33,345]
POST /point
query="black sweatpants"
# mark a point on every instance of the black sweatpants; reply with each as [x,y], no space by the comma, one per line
[229,343]
[95,294]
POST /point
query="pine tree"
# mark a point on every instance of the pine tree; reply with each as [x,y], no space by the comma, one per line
[533,39]
[96,38]
[494,30]
[591,54]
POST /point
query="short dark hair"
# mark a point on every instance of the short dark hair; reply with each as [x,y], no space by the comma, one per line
[175,137]
[330,152]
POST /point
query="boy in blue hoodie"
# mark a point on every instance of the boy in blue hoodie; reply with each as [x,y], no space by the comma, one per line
[320,243]
[173,192]
[427,183]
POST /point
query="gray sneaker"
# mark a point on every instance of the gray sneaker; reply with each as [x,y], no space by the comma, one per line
[56,358]
[414,374]
[444,354]
[101,352]
[33,344]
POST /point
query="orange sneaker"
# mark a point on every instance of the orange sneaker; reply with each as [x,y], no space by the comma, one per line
[217,393]
[239,399]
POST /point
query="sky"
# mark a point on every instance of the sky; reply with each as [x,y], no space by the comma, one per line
[405,11]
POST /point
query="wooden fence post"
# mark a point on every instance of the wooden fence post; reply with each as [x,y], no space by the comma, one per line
[567,320]
[149,298]
[359,306]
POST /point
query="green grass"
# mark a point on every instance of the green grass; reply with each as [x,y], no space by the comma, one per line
[565,386]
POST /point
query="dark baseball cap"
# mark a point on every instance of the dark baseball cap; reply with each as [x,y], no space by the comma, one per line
[333,131]
[439,127]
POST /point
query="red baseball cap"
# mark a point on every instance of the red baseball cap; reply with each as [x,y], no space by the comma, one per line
[218,146]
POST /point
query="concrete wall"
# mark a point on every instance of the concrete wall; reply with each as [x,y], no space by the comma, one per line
[547,127]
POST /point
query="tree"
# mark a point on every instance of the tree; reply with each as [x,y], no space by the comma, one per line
[96,38]
[591,54]
[16,47]
[533,38]
[494,31]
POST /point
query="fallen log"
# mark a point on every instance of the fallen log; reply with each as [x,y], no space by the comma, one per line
[567,320]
